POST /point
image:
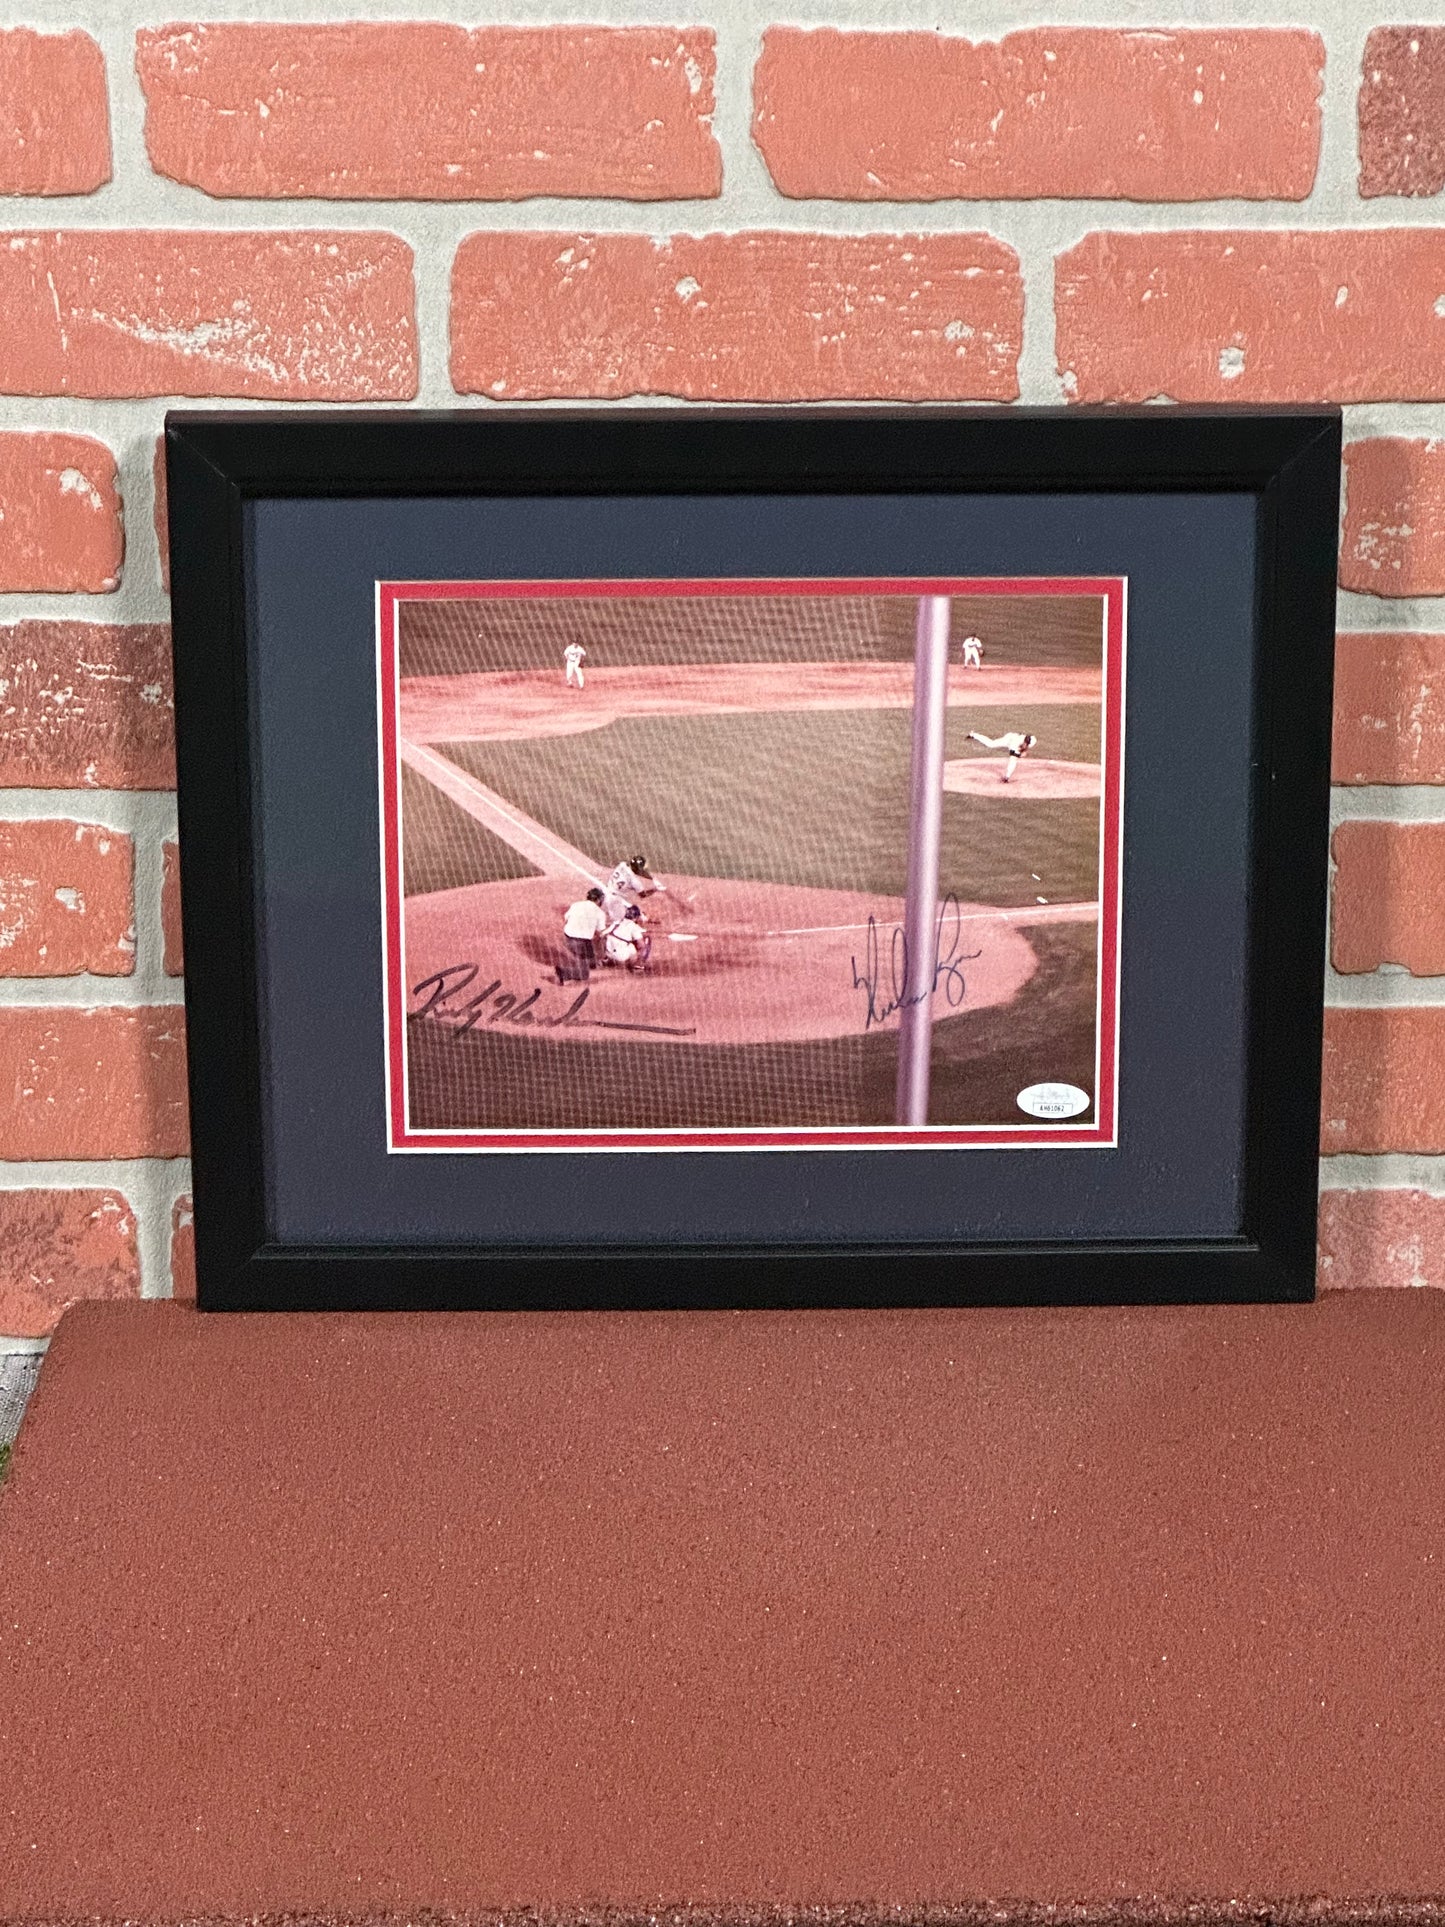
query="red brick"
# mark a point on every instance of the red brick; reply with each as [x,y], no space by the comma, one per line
[1394,543]
[313,316]
[54,115]
[171,911]
[61,515]
[391,110]
[159,513]
[1375,1239]
[1402,111]
[1253,316]
[1389,709]
[183,1251]
[1077,112]
[1384,1079]
[1389,897]
[86,705]
[737,317]
[93,1083]
[58,1247]
[67,900]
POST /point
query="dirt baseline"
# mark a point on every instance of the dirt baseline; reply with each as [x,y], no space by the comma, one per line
[732,963]
[531,703]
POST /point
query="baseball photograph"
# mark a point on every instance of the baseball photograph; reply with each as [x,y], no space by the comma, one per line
[742,865]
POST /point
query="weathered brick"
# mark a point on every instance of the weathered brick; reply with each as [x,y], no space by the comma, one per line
[54,115]
[1075,112]
[171,911]
[1389,709]
[60,515]
[86,705]
[736,317]
[183,1251]
[58,1247]
[1372,1240]
[314,316]
[1402,111]
[1394,542]
[1253,316]
[1389,897]
[159,511]
[66,900]
[108,1082]
[418,110]
[1384,1079]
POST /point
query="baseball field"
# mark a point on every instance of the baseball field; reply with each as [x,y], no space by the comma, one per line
[756,751]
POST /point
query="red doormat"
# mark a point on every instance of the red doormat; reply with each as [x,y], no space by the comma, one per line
[905,1617]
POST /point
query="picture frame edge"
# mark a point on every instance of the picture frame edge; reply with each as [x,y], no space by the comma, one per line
[218,460]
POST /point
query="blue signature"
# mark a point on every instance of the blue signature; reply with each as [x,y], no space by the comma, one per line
[901,991]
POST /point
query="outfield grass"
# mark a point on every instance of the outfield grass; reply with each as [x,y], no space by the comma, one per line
[813,797]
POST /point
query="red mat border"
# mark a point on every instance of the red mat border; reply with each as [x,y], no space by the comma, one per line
[1102,1134]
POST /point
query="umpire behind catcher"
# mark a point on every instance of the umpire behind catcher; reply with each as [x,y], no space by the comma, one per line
[581,927]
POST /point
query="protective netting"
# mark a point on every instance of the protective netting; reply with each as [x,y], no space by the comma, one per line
[762,740]
[443,847]
[981,1060]
[492,1080]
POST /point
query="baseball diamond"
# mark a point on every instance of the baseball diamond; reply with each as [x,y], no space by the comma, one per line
[758,753]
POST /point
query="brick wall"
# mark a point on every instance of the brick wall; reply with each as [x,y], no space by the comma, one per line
[376,202]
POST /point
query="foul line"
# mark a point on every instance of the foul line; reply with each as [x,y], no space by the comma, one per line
[523,833]
[1017,913]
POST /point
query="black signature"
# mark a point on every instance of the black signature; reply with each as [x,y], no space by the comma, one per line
[947,967]
[447,1000]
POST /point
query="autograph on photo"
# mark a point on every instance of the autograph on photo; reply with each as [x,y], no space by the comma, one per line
[446,997]
[901,993]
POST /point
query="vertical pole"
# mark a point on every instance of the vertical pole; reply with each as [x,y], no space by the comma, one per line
[925,823]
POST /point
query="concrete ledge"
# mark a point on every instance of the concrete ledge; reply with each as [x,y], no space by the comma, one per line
[946,1618]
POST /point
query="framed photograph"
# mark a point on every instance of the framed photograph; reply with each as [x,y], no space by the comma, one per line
[753,858]
[676,823]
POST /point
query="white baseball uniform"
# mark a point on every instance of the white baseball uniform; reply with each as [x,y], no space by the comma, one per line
[624,882]
[624,941]
[1015,741]
[973,652]
[572,655]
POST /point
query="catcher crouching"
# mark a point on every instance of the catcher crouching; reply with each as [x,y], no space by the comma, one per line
[628,941]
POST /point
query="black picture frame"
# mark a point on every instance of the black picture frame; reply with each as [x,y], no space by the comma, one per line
[1287,459]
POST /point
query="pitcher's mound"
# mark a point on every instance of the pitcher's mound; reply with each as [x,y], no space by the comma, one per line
[1033,776]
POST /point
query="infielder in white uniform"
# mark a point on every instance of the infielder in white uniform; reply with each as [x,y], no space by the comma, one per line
[973,652]
[572,655]
[1014,741]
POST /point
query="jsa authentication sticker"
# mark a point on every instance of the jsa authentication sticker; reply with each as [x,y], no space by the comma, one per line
[1053,1100]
